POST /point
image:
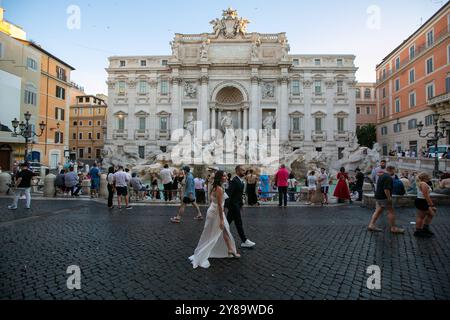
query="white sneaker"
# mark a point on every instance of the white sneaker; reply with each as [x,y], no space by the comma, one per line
[12,208]
[248,244]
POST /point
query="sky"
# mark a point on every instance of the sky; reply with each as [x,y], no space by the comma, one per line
[368,29]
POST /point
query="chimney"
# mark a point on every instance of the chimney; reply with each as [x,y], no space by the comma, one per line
[2,11]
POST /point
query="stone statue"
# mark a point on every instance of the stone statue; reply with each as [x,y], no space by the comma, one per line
[189,90]
[227,122]
[204,50]
[268,123]
[189,125]
[255,50]
[285,48]
[175,49]
[242,26]
[217,26]
[269,90]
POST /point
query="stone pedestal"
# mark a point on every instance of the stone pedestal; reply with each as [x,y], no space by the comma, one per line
[5,179]
[86,187]
[49,185]
[103,186]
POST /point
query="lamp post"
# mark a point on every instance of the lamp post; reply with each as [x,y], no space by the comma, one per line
[25,130]
[441,129]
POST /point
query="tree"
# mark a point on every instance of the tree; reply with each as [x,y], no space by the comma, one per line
[367,135]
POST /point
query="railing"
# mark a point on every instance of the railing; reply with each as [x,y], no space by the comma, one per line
[417,53]
[439,99]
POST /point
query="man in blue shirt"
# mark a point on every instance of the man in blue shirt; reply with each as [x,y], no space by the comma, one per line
[189,197]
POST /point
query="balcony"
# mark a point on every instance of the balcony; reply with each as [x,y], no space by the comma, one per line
[296,135]
[341,136]
[120,134]
[141,135]
[163,135]
[318,136]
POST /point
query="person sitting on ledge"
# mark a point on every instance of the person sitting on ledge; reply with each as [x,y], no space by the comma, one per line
[444,184]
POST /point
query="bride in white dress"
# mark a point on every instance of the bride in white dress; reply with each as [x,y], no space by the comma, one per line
[216,240]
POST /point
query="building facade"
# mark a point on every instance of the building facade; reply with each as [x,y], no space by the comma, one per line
[231,73]
[409,80]
[366,104]
[87,128]
[20,68]
[52,148]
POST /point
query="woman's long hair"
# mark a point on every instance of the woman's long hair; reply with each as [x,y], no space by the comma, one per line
[217,180]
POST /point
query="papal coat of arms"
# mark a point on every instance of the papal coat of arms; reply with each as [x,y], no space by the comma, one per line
[230,25]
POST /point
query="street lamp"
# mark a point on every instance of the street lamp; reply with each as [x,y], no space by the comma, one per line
[25,130]
[441,129]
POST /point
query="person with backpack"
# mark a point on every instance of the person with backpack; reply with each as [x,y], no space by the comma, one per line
[398,187]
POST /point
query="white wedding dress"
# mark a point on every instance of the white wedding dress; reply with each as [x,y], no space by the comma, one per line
[211,243]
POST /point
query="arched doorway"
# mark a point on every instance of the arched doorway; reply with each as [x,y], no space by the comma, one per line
[229,101]
[5,157]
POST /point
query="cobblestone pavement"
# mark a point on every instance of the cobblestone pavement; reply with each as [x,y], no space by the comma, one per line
[301,253]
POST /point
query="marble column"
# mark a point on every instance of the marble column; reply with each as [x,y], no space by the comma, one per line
[284,110]
[177,114]
[309,120]
[255,109]
[204,103]
[330,125]
[245,126]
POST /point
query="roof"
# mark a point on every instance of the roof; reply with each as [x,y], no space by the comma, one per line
[444,7]
[36,46]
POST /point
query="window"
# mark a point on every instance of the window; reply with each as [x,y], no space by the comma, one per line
[32,64]
[412,99]
[367,94]
[80,136]
[81,123]
[60,93]
[59,137]
[74,136]
[143,63]
[90,124]
[397,105]
[384,131]
[384,74]
[164,87]
[397,127]
[61,74]
[340,125]
[447,83]
[296,124]
[429,120]
[1,50]
[87,99]
[384,111]
[397,84]
[358,93]
[412,52]
[430,66]
[98,153]
[296,62]
[164,62]
[340,62]
[318,124]
[317,62]
[90,135]
[412,124]
[121,123]
[99,111]
[75,123]
[318,87]
[163,124]
[430,91]
[123,63]
[141,152]
[368,110]
[296,87]
[98,136]
[122,87]
[358,110]
[30,97]
[412,76]
[89,150]
[81,153]
[142,125]
[384,92]
[430,38]
[397,63]
[340,87]
[99,123]
[143,87]
[59,114]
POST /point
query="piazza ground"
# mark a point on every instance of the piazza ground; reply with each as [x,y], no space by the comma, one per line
[301,253]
